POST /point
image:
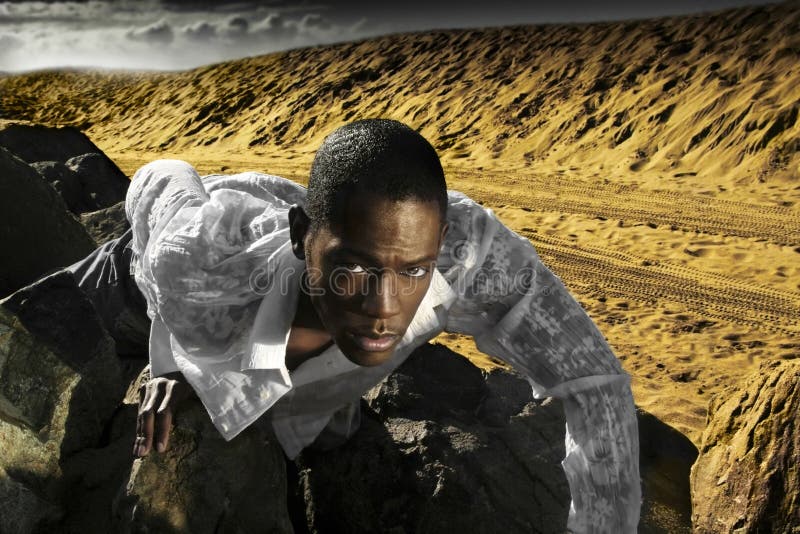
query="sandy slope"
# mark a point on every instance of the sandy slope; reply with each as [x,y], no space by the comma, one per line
[653,164]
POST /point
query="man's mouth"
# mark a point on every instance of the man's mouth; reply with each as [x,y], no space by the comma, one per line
[373,344]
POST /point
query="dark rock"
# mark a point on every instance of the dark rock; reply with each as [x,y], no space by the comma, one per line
[445,448]
[33,143]
[102,183]
[665,459]
[67,424]
[60,384]
[204,484]
[21,510]
[57,312]
[106,224]
[747,477]
[37,230]
[95,183]
[65,182]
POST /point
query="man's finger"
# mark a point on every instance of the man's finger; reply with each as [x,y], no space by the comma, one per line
[164,419]
[138,442]
[136,439]
[164,425]
[166,400]
[146,437]
[151,397]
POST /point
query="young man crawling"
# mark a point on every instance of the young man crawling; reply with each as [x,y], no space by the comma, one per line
[270,300]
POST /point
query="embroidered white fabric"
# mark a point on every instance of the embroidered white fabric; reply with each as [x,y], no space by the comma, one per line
[212,257]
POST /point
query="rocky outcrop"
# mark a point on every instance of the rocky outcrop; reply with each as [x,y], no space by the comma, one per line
[85,178]
[441,449]
[445,448]
[204,484]
[106,224]
[60,383]
[64,181]
[33,143]
[747,477]
[665,459]
[67,426]
[88,182]
[37,230]
[102,183]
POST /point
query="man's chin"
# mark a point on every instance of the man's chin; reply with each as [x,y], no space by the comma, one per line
[364,358]
[368,359]
[360,355]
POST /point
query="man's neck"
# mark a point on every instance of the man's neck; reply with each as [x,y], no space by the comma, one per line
[307,337]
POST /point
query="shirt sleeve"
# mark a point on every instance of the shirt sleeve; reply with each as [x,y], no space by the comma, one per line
[159,191]
[195,253]
[520,312]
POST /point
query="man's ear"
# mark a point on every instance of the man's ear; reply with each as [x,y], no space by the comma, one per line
[299,226]
[442,235]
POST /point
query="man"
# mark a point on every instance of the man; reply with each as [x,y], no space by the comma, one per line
[271,301]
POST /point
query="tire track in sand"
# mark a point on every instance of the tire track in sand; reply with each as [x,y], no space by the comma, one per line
[594,270]
[694,213]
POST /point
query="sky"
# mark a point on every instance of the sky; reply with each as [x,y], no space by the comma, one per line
[182,34]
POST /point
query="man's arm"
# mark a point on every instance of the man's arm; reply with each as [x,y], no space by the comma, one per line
[158,193]
[195,252]
[520,312]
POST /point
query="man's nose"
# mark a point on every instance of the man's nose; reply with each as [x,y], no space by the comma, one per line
[381,298]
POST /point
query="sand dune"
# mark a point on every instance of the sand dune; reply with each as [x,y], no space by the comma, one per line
[655,165]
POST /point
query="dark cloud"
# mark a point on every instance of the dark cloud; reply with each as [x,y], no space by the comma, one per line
[236,26]
[314,21]
[200,31]
[275,26]
[51,12]
[157,33]
[228,6]
[133,34]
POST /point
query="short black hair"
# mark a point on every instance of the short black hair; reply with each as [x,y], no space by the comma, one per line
[379,156]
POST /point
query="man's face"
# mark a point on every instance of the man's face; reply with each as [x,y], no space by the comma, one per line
[368,273]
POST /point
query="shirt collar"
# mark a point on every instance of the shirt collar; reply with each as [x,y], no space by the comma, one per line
[440,295]
[280,282]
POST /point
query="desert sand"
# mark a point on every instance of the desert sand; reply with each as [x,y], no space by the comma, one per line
[653,164]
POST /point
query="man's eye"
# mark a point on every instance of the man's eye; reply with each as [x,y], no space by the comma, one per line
[417,272]
[354,268]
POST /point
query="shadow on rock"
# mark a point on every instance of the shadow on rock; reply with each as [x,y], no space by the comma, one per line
[80,172]
[204,484]
[444,447]
[61,383]
[37,230]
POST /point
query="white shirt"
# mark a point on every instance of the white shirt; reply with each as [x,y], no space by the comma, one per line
[212,256]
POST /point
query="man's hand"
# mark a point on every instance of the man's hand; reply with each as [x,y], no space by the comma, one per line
[158,399]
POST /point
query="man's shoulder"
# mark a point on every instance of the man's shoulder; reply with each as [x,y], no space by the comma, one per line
[461,208]
[457,198]
[261,185]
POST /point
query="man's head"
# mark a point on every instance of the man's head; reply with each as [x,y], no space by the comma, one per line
[370,234]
